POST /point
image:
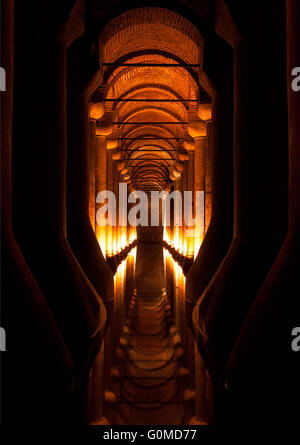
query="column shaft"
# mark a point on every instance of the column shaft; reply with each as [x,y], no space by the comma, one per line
[208,175]
[199,185]
[100,185]
[34,338]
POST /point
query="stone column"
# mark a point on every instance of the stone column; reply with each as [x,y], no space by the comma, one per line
[80,232]
[109,228]
[199,185]
[218,65]
[41,171]
[200,417]
[100,185]
[190,174]
[92,168]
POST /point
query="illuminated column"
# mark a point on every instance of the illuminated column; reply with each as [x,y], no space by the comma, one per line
[81,84]
[190,173]
[199,185]
[116,248]
[198,131]
[183,227]
[116,228]
[185,188]
[97,389]
[102,174]
[219,56]
[96,111]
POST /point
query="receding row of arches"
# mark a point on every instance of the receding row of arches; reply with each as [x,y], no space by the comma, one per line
[116,324]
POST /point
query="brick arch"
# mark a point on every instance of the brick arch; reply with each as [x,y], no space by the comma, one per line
[177,79]
[157,54]
[166,112]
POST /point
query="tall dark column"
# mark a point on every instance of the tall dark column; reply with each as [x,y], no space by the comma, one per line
[260,187]
[263,370]
[82,82]
[92,174]
[43,32]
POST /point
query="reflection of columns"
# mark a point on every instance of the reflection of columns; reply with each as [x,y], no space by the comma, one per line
[100,185]
[116,231]
[109,186]
[199,185]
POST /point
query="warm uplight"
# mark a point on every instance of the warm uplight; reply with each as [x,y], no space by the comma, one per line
[102,241]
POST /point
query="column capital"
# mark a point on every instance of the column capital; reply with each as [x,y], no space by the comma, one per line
[197,129]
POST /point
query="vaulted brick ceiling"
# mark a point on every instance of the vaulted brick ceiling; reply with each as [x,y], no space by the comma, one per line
[150,36]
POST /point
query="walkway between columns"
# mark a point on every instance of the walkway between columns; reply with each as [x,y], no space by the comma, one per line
[150,383]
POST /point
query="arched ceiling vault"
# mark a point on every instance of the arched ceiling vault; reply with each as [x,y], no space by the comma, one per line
[151,59]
